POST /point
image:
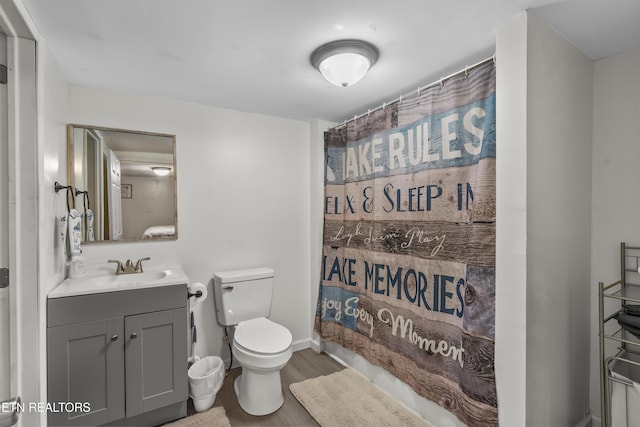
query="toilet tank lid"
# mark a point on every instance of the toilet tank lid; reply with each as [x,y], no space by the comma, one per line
[231,276]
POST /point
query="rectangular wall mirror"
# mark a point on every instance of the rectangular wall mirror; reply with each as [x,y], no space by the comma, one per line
[127,179]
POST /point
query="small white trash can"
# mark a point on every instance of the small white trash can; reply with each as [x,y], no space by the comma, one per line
[205,380]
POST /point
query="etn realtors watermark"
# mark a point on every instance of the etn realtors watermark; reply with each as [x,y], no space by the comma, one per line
[19,407]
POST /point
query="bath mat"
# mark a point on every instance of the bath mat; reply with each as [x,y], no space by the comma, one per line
[346,398]
[214,417]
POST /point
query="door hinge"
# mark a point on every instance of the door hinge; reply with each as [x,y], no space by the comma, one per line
[3,74]
[4,277]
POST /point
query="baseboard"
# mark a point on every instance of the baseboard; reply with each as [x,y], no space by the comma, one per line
[301,345]
[316,344]
[338,359]
[589,421]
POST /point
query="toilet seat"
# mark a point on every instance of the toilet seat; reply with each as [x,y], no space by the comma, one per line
[260,347]
[261,336]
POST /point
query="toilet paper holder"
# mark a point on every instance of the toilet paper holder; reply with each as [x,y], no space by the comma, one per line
[197,290]
[196,294]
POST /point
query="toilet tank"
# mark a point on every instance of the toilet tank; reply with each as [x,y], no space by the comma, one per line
[242,294]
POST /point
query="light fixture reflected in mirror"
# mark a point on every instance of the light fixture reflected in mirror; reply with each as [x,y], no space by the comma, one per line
[344,62]
[161,170]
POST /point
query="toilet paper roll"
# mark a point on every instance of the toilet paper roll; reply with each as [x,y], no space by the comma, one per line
[196,287]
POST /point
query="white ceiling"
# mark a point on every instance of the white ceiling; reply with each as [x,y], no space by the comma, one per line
[253,55]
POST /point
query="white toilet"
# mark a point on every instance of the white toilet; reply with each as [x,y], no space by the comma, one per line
[260,346]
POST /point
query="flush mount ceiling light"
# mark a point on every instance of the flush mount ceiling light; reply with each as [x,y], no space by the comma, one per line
[161,170]
[344,62]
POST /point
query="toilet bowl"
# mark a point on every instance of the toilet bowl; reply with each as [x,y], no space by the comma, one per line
[260,346]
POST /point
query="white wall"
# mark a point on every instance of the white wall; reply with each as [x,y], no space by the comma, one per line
[52,160]
[243,198]
[511,221]
[559,113]
[616,178]
[543,226]
[52,143]
[150,204]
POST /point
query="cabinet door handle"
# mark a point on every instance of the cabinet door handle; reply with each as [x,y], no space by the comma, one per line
[114,337]
[134,335]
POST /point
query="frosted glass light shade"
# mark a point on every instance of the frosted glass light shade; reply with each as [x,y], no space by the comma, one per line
[161,170]
[344,62]
[344,69]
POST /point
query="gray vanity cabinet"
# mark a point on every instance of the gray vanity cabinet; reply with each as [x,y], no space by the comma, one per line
[85,364]
[154,362]
[123,354]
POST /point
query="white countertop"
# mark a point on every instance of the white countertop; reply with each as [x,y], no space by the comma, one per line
[101,278]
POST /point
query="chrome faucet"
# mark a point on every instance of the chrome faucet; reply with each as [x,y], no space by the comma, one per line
[128,267]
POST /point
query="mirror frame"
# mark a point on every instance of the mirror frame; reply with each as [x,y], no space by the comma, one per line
[71,177]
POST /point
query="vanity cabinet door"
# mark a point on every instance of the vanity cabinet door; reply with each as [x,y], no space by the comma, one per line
[156,360]
[86,367]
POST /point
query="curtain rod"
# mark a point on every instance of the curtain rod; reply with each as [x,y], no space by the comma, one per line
[465,70]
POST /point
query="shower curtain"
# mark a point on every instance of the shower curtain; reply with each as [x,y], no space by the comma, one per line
[408,263]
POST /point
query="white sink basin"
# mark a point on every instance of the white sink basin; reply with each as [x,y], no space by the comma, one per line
[126,279]
[101,278]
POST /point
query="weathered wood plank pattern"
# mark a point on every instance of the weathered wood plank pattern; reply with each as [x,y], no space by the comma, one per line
[433,386]
[433,346]
[375,122]
[475,297]
[440,195]
[469,243]
[479,84]
[408,267]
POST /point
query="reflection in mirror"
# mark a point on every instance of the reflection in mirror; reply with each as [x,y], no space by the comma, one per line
[125,183]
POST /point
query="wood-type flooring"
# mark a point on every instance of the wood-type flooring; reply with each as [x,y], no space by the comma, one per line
[303,364]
